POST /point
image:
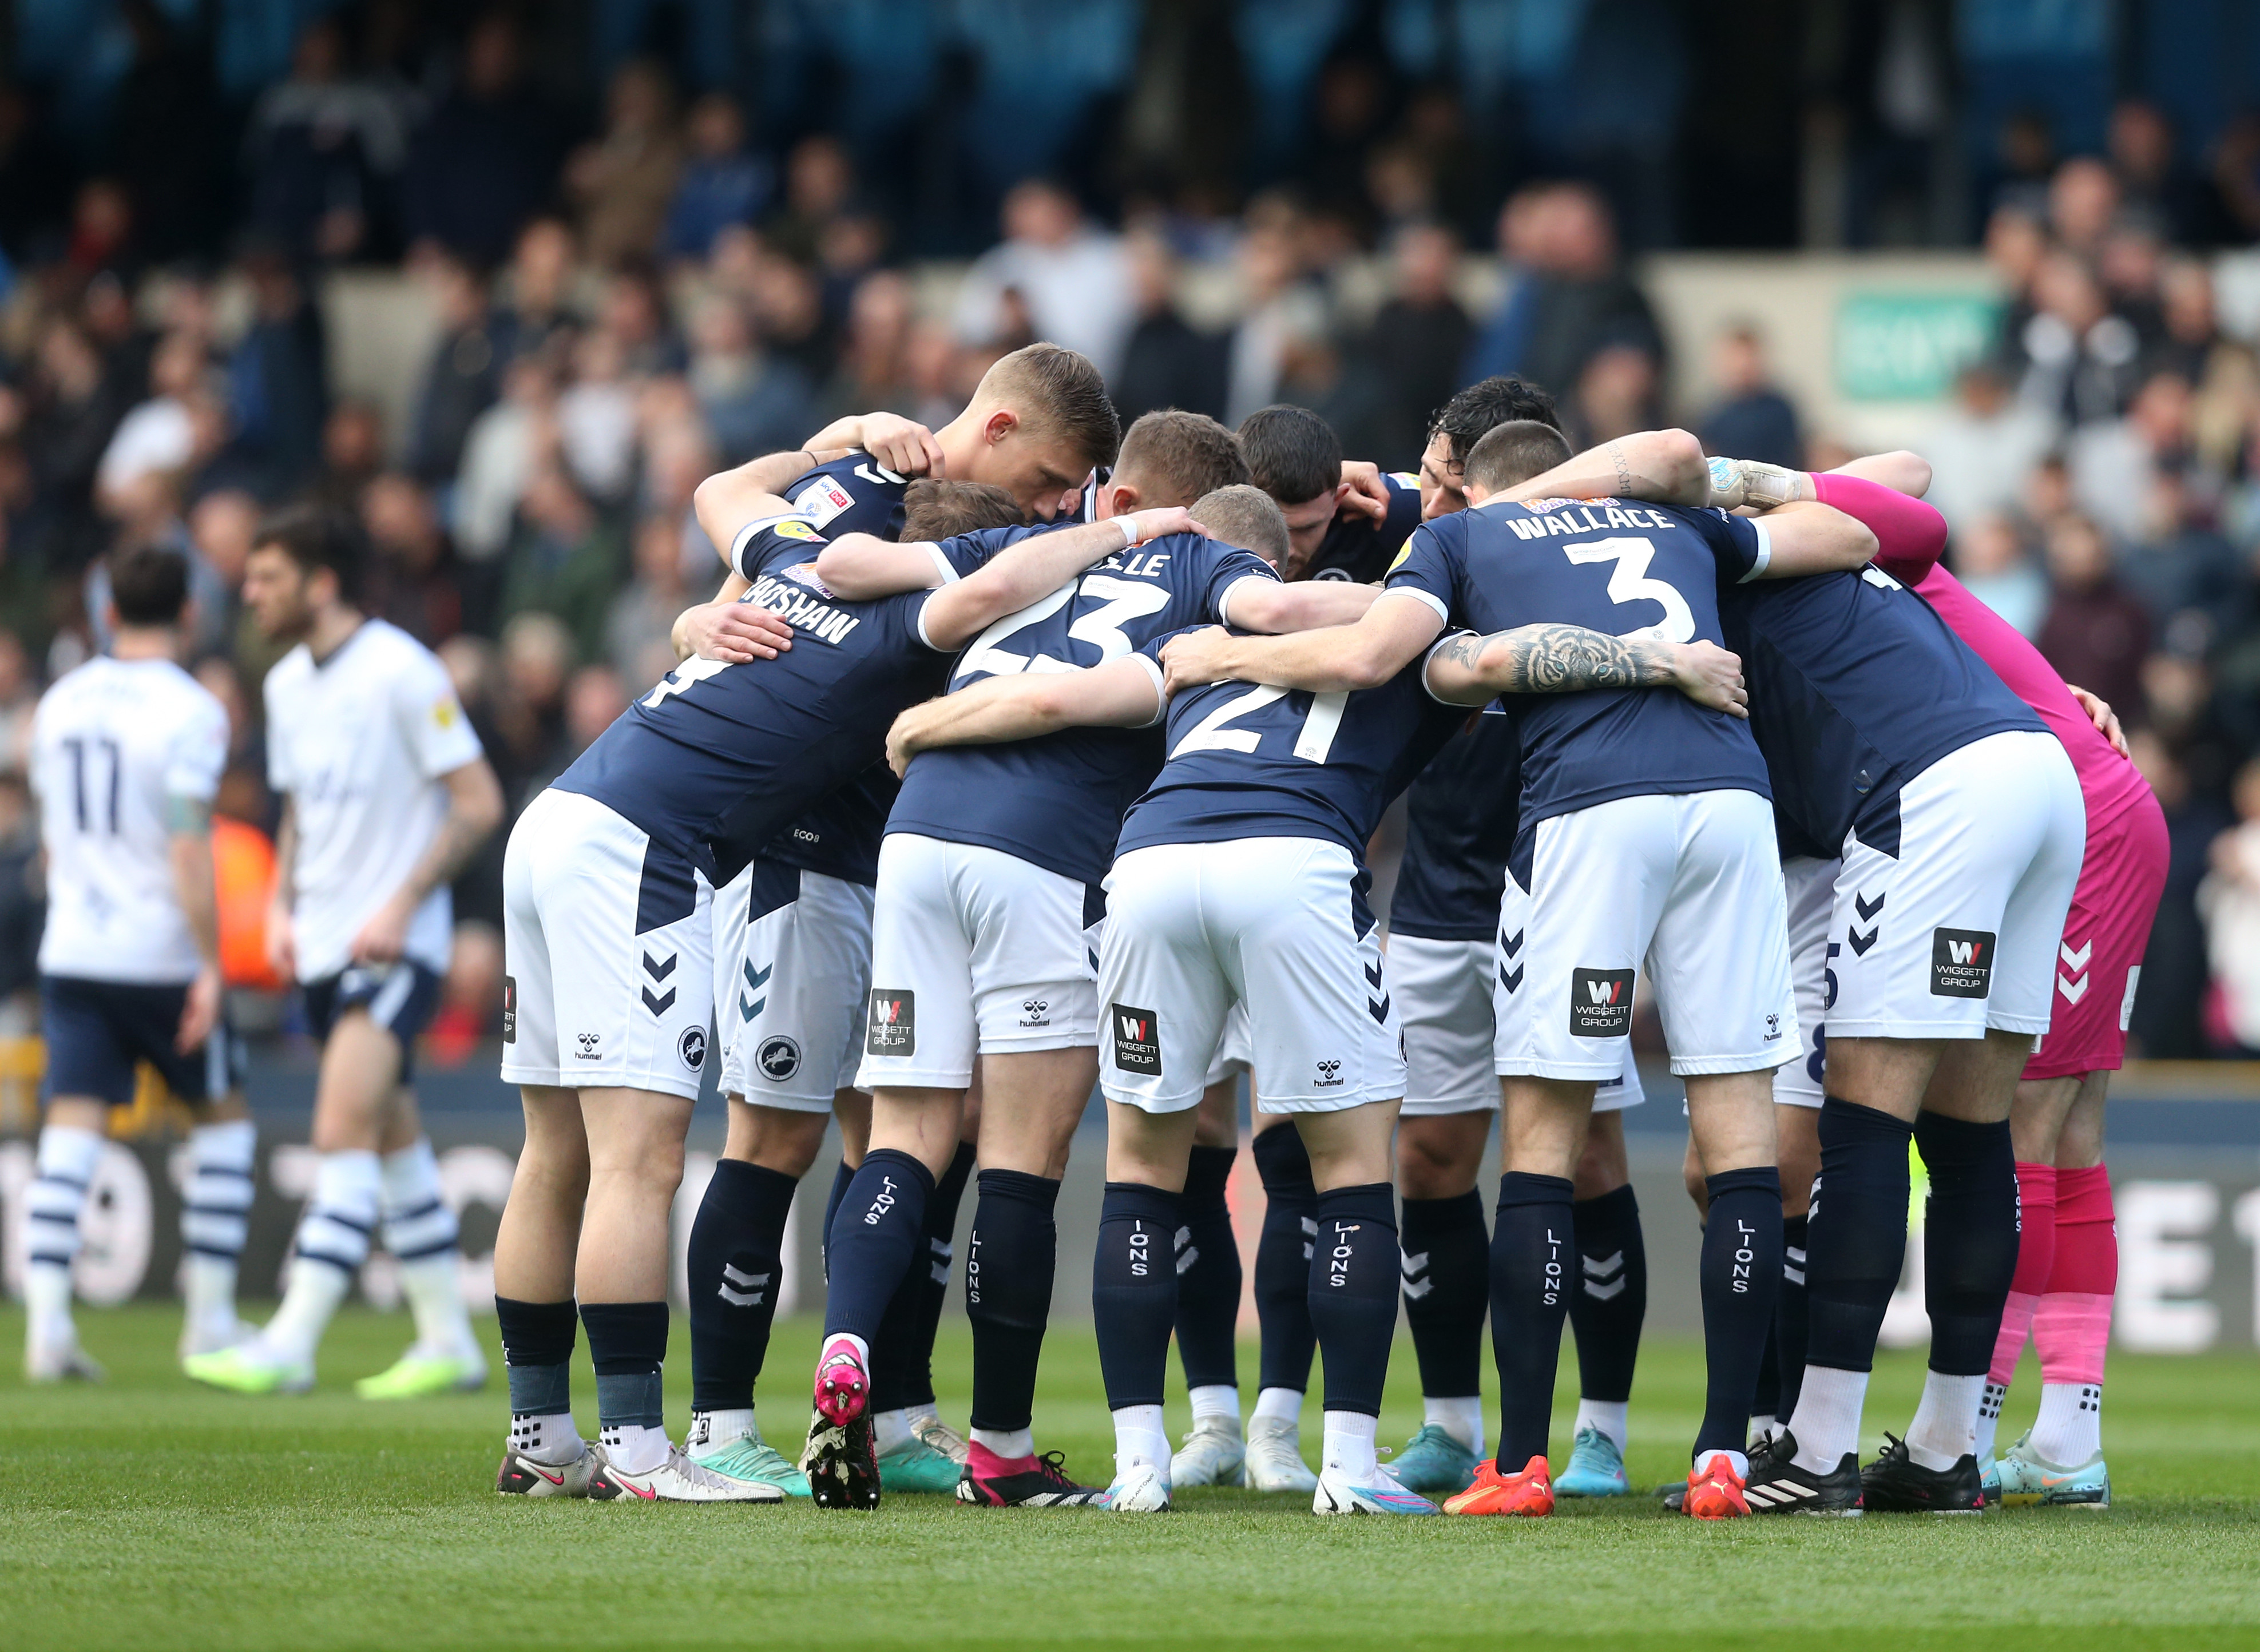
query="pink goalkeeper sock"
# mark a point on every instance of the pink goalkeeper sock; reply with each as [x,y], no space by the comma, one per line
[2035,1258]
[2071,1327]
[1909,534]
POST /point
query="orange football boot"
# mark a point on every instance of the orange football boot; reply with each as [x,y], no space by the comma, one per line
[1714,1491]
[1529,1492]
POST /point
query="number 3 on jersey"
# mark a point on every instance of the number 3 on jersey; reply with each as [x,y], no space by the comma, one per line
[1629,582]
[1312,742]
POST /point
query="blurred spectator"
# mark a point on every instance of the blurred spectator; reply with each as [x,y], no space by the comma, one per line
[68,416]
[1568,299]
[2169,1019]
[2096,633]
[1993,559]
[2113,463]
[1275,312]
[462,377]
[320,149]
[2236,176]
[409,581]
[639,630]
[1751,419]
[470,996]
[530,667]
[277,381]
[625,181]
[539,307]
[23,908]
[101,230]
[166,431]
[499,456]
[1417,342]
[19,697]
[2229,901]
[2083,201]
[1074,279]
[1616,395]
[751,404]
[2180,568]
[2024,155]
[1981,449]
[2078,360]
[224,523]
[353,452]
[634,311]
[148,512]
[2153,183]
[597,416]
[1167,361]
[818,181]
[488,158]
[721,183]
[164,134]
[593,702]
[875,369]
[566,561]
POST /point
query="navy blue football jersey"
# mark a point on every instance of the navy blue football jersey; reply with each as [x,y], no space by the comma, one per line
[1460,820]
[1615,567]
[743,749]
[1245,762]
[839,834]
[1358,548]
[1057,801]
[1856,686]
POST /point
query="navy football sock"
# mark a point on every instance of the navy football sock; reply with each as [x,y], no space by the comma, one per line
[1009,1263]
[1856,1238]
[536,1346]
[1282,1259]
[1208,1273]
[841,1178]
[1969,1238]
[1533,1253]
[933,1281]
[736,1267]
[1353,1277]
[1788,1318]
[627,1341]
[1133,1291]
[1446,1272]
[1740,1273]
[1610,1302]
[1765,1398]
[876,1239]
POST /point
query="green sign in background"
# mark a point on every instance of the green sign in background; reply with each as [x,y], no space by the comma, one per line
[1908,346]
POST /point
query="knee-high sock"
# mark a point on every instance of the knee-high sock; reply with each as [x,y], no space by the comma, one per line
[420,1231]
[1355,1265]
[1533,1259]
[1611,1298]
[1134,1291]
[627,1345]
[1741,1282]
[2072,1328]
[1969,1256]
[736,1268]
[841,1175]
[1789,1317]
[1282,1259]
[1855,1244]
[1447,1274]
[216,1220]
[2035,1255]
[333,1242]
[1009,1266]
[537,1349]
[902,1354]
[63,1171]
[876,1239]
[1208,1273]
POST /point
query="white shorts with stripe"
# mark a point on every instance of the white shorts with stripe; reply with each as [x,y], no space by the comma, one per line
[792,968]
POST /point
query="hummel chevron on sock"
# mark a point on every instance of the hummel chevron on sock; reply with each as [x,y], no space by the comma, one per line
[1009,1268]
[1610,1301]
[1790,1316]
[1534,1255]
[1208,1273]
[1282,1259]
[1447,1275]
[734,1268]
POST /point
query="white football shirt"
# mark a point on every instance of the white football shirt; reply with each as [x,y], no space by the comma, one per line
[111,743]
[360,742]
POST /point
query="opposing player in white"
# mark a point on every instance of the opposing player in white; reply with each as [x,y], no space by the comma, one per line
[388,795]
[126,755]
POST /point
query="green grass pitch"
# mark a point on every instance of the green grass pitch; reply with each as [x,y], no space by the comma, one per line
[150,1513]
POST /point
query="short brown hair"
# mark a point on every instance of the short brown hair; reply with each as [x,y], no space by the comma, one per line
[936,509]
[1174,457]
[148,585]
[318,536]
[1060,394]
[1246,515]
[1513,453]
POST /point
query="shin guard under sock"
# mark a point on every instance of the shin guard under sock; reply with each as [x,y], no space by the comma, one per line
[1355,1268]
[1009,1259]
[1610,1301]
[1533,1261]
[1856,1235]
[736,1264]
[1282,1259]
[876,1239]
[1741,1272]
[1970,1238]
[1134,1291]
[1447,1270]
[1208,1273]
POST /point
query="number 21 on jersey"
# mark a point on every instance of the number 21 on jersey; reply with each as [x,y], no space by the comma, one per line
[1312,742]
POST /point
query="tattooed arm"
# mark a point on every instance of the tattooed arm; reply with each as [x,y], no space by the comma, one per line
[1466,669]
[1664,467]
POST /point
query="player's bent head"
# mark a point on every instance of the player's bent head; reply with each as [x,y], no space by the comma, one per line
[1246,515]
[1292,454]
[1058,399]
[1476,412]
[1512,454]
[309,540]
[937,509]
[1170,457]
[148,586]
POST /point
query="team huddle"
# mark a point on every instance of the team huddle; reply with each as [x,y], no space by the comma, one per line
[1030,755]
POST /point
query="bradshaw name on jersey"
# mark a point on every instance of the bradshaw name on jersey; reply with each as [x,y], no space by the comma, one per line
[1057,801]
[1249,762]
[1621,569]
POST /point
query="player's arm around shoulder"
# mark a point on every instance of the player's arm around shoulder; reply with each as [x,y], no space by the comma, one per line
[1467,669]
[1035,567]
[1272,607]
[1125,693]
[1661,467]
[1807,537]
[1395,627]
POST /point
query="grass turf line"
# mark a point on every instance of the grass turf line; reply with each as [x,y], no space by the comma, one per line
[150,1512]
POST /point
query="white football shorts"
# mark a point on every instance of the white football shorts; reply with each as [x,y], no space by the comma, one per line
[1809,886]
[792,968]
[1443,991]
[607,954]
